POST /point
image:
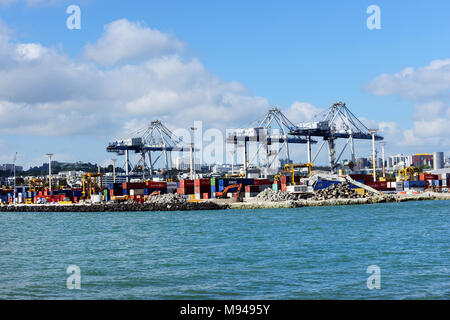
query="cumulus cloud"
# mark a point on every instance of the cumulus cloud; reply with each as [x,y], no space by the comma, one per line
[302,111]
[429,81]
[428,89]
[127,41]
[45,92]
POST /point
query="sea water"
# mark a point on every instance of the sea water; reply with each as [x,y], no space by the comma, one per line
[302,253]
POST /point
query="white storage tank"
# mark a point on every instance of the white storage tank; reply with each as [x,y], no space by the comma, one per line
[438,160]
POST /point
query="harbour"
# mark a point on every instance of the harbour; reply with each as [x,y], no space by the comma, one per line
[277,180]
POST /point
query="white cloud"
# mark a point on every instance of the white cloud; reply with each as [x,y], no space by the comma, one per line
[428,89]
[302,111]
[30,51]
[44,92]
[426,82]
[127,41]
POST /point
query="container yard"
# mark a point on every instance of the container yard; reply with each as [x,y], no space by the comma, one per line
[265,186]
[223,193]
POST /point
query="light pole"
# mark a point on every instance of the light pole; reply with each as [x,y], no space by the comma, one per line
[372,132]
[14,182]
[193,154]
[50,155]
[114,169]
[382,153]
[232,152]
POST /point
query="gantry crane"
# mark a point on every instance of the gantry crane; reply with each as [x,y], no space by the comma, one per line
[273,130]
[156,138]
[92,184]
[36,184]
[408,173]
[337,122]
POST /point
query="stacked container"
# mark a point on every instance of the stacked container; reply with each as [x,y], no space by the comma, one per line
[186,187]
[202,188]
[251,191]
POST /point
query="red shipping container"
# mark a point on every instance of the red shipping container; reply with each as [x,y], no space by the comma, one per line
[426,176]
[134,185]
[206,195]
[251,188]
[185,191]
[186,183]
[259,182]
[377,185]
[203,189]
[202,182]
[156,185]
[283,179]
[283,187]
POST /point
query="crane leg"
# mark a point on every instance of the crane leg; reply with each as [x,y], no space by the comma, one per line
[332,154]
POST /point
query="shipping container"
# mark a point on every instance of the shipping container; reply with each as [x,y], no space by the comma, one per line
[156,185]
[258,182]
[186,190]
[226,182]
[427,176]
[323,184]
[186,183]
[134,185]
[202,182]
[415,184]
[251,194]
[251,189]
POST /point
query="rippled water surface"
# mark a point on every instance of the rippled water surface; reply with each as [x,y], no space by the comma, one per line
[304,253]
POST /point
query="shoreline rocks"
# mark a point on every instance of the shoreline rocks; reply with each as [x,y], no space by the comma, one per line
[274,196]
[119,207]
[177,203]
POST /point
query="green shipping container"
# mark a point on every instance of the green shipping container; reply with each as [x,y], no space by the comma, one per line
[275,187]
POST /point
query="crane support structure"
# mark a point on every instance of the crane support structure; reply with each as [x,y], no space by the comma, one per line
[156,139]
[273,130]
[338,122]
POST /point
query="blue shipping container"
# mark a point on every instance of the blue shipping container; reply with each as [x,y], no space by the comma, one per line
[323,184]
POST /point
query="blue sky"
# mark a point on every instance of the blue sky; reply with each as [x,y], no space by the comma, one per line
[308,52]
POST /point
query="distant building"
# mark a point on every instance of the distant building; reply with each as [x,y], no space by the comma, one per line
[422,160]
[398,161]
[361,163]
[69,174]
[222,168]
[108,178]
[283,162]
[185,164]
